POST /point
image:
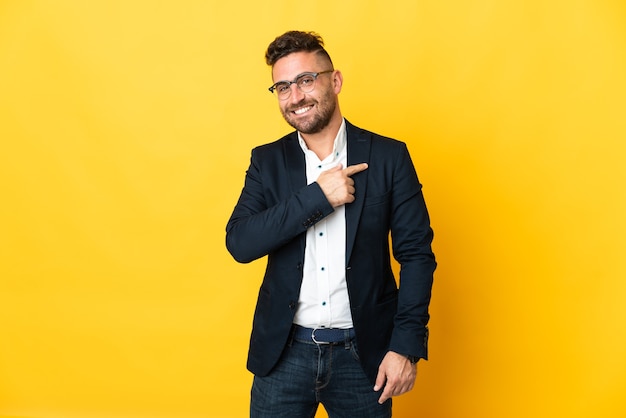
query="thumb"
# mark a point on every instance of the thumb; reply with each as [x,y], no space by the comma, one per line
[338,167]
[380,380]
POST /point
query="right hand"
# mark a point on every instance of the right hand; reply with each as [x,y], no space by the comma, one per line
[337,184]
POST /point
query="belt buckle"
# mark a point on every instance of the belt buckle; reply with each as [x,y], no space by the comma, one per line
[315,341]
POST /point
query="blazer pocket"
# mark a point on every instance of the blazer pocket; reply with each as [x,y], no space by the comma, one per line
[376,200]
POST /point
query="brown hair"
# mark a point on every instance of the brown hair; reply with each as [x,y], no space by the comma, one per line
[295,41]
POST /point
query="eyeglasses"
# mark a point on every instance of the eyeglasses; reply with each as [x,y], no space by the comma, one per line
[304,81]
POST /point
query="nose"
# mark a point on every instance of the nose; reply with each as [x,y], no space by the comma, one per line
[296,94]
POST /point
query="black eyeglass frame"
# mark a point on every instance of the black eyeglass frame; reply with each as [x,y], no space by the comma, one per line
[272,89]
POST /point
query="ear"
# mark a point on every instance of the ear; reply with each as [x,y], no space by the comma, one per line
[337,81]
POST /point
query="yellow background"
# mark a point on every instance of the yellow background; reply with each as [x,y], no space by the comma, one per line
[126,128]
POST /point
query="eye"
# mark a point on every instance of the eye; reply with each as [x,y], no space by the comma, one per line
[282,87]
[306,80]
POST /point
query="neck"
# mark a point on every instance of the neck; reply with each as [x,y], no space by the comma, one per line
[322,143]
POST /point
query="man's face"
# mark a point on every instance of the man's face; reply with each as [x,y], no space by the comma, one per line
[310,112]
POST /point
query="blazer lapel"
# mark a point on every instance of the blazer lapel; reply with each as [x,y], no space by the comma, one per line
[295,162]
[358,152]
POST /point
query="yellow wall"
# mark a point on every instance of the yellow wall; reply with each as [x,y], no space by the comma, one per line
[126,128]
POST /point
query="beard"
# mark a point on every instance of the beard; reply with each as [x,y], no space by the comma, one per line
[324,110]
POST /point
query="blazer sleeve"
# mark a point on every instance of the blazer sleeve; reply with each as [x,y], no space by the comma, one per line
[269,214]
[411,243]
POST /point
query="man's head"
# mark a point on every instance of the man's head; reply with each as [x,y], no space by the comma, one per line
[305,82]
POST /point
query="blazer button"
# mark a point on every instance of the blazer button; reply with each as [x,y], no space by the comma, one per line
[292,305]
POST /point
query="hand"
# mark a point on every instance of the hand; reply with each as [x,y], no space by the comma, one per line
[396,374]
[337,184]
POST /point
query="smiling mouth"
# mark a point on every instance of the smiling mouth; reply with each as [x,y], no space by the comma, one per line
[302,110]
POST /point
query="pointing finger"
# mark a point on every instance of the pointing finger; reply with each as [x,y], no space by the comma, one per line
[353,169]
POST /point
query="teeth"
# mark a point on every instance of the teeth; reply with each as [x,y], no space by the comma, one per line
[302,110]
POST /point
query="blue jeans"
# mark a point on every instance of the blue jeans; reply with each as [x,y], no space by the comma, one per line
[308,374]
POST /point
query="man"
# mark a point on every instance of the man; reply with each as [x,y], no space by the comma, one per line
[330,324]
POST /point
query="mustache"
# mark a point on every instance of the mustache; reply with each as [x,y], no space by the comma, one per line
[300,104]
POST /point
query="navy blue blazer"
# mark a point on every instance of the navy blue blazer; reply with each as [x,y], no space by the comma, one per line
[272,215]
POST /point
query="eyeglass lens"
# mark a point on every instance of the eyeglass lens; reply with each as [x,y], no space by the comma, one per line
[306,83]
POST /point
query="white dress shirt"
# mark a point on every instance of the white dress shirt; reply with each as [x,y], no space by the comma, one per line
[324,298]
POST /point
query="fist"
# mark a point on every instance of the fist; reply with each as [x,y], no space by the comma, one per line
[337,184]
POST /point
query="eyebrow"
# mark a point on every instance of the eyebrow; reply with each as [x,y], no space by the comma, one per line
[297,77]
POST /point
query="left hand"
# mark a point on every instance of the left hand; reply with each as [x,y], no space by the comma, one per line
[396,374]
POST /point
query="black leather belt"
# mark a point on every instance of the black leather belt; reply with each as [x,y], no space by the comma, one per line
[323,335]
